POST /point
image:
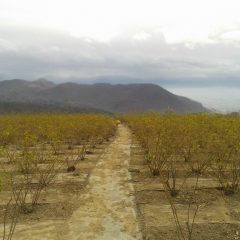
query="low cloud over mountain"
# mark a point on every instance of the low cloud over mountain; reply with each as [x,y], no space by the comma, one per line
[142,54]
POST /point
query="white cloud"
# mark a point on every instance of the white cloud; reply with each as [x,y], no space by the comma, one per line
[137,38]
[32,53]
[185,20]
[6,45]
[141,36]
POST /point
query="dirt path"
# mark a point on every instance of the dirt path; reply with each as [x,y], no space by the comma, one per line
[107,208]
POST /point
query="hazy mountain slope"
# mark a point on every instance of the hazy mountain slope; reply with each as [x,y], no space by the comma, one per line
[112,98]
[22,90]
[26,107]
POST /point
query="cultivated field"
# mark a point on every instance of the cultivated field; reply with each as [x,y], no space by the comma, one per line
[88,177]
[45,166]
[186,172]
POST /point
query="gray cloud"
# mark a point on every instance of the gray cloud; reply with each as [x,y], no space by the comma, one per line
[30,53]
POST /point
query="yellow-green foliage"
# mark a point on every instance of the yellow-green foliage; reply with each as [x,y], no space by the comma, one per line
[35,147]
[205,141]
[27,130]
[180,132]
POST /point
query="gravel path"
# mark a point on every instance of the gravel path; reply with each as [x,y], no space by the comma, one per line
[108,210]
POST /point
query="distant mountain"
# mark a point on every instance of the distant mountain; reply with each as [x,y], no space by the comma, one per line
[21,107]
[106,97]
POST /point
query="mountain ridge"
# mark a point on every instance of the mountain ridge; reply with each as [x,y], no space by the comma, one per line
[119,98]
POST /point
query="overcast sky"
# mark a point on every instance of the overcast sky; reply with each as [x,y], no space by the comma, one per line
[174,41]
